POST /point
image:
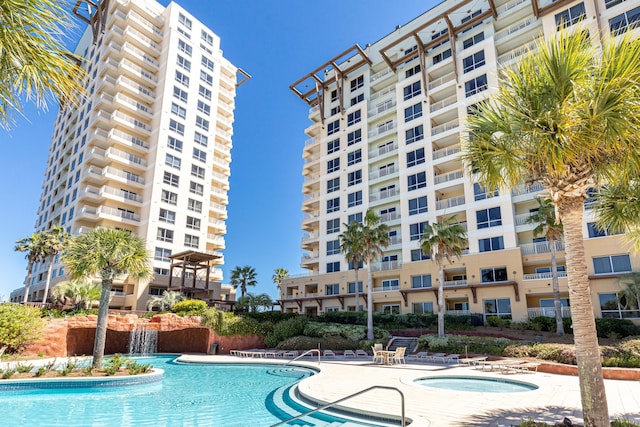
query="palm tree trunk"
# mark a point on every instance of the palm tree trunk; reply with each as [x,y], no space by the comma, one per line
[441,301]
[369,304]
[592,392]
[101,325]
[46,285]
[357,291]
[26,286]
[556,290]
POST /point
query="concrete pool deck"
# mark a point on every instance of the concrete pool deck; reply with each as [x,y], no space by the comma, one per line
[558,396]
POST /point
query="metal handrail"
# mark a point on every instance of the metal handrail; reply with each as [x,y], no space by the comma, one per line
[335,402]
[303,355]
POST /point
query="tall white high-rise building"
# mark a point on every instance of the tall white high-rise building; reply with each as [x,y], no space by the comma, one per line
[149,148]
[386,134]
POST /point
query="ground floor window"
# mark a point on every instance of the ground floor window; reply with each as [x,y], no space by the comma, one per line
[619,307]
[328,309]
[423,307]
[391,309]
[353,308]
[500,307]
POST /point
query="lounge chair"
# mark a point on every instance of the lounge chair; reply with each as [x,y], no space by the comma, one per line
[398,356]
[361,353]
[328,353]
[473,361]
[452,358]
[437,357]
[422,355]
[291,353]
[349,353]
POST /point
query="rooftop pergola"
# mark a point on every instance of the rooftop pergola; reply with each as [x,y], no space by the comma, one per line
[191,261]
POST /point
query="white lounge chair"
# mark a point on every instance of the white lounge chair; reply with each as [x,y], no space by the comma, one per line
[361,353]
[452,358]
[328,353]
[422,355]
[437,357]
[349,353]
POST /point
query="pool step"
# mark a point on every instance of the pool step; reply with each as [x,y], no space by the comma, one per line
[289,372]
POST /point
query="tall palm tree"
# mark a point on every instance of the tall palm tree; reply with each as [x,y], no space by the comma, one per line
[617,209]
[279,274]
[567,116]
[107,254]
[352,246]
[34,64]
[31,245]
[374,238]
[82,294]
[443,240]
[166,301]
[243,277]
[53,241]
[550,227]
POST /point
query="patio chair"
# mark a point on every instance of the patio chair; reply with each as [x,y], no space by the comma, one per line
[361,353]
[328,353]
[398,356]
[378,355]
[349,353]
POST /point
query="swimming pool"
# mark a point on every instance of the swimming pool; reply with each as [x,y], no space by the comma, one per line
[476,384]
[189,395]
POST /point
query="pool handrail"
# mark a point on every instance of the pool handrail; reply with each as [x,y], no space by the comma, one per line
[335,402]
[304,354]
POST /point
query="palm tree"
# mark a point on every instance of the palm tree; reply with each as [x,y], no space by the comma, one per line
[166,301]
[279,274]
[551,228]
[617,209]
[443,241]
[629,296]
[374,238]
[30,245]
[82,294]
[53,241]
[243,277]
[567,117]
[106,253]
[34,63]
[254,303]
[351,245]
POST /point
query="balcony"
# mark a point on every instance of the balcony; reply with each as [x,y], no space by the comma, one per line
[540,248]
[386,149]
[523,219]
[526,189]
[389,217]
[218,225]
[381,75]
[447,78]
[382,129]
[516,28]
[510,6]
[378,95]
[308,238]
[309,258]
[449,176]
[446,152]
[515,54]
[450,203]
[385,172]
[386,288]
[381,108]
[386,266]
[547,312]
[445,127]
[455,283]
[384,194]
[436,106]
[128,139]
[543,276]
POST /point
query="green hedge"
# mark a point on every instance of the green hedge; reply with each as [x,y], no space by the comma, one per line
[463,343]
[189,307]
[19,326]
[228,324]
[616,328]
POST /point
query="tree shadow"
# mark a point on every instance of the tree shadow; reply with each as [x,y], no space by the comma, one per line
[550,415]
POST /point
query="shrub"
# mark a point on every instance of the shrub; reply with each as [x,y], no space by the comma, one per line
[114,363]
[307,343]
[41,371]
[87,370]
[286,329]
[269,316]
[622,328]
[227,324]
[496,321]
[543,323]
[136,368]
[189,307]
[621,422]
[8,373]
[19,326]
[24,368]
[69,366]
[464,344]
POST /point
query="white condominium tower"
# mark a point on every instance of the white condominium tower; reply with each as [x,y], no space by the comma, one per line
[148,150]
[387,124]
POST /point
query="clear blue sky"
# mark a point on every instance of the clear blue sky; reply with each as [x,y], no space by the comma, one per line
[277,42]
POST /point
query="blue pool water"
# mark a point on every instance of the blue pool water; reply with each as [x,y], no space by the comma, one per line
[189,395]
[476,384]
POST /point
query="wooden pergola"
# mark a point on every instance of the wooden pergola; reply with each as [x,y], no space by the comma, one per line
[191,261]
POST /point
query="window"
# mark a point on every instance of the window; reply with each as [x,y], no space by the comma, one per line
[357,83]
[333,289]
[169,197]
[357,217]
[415,134]
[441,56]
[165,235]
[472,62]
[412,90]
[619,307]
[476,85]
[199,155]
[197,171]
[333,165]
[180,94]
[422,307]
[412,71]
[418,205]
[494,274]
[612,264]
[357,99]
[333,146]
[570,16]
[204,92]
[178,110]
[193,223]
[333,267]
[354,157]
[184,47]
[621,23]
[333,247]
[334,111]
[354,137]
[204,108]
[486,218]
[171,179]
[491,244]
[500,307]
[416,230]
[184,63]
[162,254]
[418,255]
[416,181]
[172,161]
[480,192]
[391,309]
[202,123]
[184,20]
[333,205]
[353,118]
[415,157]
[390,284]
[207,63]
[412,112]
[610,3]
[206,78]
[333,127]
[334,95]
[194,205]
[354,178]
[201,139]
[421,281]
[351,286]
[473,40]
[182,78]
[333,185]
[167,216]
[176,127]
[191,241]
[196,188]
[333,225]
[174,144]
[354,199]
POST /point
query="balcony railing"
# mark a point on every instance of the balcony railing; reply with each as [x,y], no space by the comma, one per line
[442,80]
[386,289]
[386,265]
[450,203]
[383,150]
[384,194]
[540,248]
[380,173]
[515,28]
[388,217]
[454,283]
[458,312]
[448,151]
[547,311]
[381,108]
[453,124]
[523,219]
[377,95]
[444,103]
[380,75]
[543,276]
[509,6]
[449,176]
[382,129]
[526,189]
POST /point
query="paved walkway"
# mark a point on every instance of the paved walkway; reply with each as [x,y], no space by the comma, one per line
[558,396]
